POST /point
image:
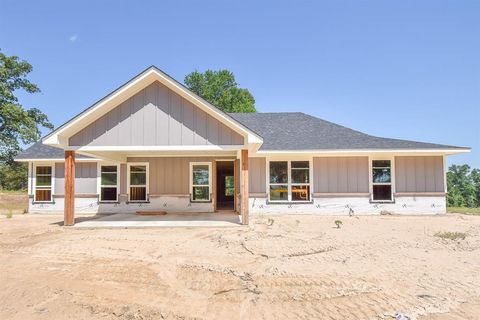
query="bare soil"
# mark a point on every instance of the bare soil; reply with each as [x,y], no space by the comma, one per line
[288,267]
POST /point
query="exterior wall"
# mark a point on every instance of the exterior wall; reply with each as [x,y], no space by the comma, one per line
[168,188]
[419,174]
[352,205]
[340,187]
[340,174]
[156,116]
[85,178]
[257,175]
[170,175]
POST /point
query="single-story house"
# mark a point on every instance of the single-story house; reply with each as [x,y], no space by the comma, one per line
[152,144]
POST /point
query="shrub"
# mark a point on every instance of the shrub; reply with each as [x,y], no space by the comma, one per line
[451,235]
[338,223]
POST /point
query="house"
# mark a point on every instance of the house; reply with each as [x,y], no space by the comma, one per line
[154,145]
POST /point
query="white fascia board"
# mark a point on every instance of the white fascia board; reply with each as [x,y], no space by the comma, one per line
[60,136]
[365,152]
[56,160]
[155,148]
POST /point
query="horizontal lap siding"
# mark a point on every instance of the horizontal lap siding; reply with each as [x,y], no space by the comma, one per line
[419,174]
[340,174]
[85,178]
[256,175]
[156,116]
[168,175]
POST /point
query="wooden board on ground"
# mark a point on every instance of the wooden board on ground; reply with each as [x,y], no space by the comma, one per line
[151,213]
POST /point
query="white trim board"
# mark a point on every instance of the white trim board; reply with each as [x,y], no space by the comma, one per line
[363,152]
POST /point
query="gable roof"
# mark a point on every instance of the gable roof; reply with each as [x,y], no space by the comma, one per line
[295,131]
[59,136]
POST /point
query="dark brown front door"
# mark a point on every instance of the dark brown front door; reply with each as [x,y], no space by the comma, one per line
[225,185]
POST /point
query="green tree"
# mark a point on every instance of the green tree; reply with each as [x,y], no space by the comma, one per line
[17,125]
[14,176]
[461,187]
[475,175]
[220,89]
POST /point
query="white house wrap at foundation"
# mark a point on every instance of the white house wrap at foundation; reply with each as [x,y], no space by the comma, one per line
[153,145]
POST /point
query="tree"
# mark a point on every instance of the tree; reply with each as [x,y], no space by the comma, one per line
[220,89]
[475,175]
[462,191]
[17,124]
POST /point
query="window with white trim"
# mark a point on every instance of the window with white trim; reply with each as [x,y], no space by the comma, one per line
[381,180]
[43,183]
[289,181]
[109,183]
[137,182]
[200,181]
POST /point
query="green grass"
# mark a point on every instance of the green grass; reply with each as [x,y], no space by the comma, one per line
[2,191]
[448,235]
[470,211]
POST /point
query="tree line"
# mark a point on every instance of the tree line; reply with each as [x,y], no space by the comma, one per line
[20,126]
[463,186]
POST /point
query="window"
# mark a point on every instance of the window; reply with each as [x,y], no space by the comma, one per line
[109,183]
[229,186]
[43,184]
[200,173]
[300,173]
[137,182]
[279,181]
[382,180]
[289,181]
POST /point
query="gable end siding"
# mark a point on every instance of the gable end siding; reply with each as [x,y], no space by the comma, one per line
[156,116]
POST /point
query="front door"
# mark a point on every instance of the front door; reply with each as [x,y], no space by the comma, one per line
[225,185]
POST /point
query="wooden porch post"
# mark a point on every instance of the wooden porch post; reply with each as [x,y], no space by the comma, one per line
[69,210]
[244,193]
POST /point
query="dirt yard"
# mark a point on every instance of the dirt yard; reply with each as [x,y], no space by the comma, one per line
[290,267]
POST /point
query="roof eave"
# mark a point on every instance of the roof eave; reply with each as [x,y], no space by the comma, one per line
[440,151]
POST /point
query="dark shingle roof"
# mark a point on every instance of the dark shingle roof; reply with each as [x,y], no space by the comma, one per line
[41,151]
[300,131]
[286,131]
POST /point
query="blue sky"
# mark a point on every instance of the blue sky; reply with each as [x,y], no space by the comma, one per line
[401,69]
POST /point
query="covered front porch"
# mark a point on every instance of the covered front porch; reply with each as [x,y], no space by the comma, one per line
[195,189]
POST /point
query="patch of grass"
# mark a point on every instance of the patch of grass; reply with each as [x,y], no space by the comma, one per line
[3,191]
[338,223]
[464,210]
[17,201]
[449,235]
[9,214]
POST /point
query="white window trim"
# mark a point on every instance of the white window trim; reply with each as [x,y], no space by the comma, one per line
[34,181]
[99,179]
[289,182]
[147,166]
[209,164]
[370,178]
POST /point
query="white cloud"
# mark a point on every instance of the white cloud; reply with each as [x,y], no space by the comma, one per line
[73,38]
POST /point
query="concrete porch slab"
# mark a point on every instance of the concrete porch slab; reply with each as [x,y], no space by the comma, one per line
[130,220]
